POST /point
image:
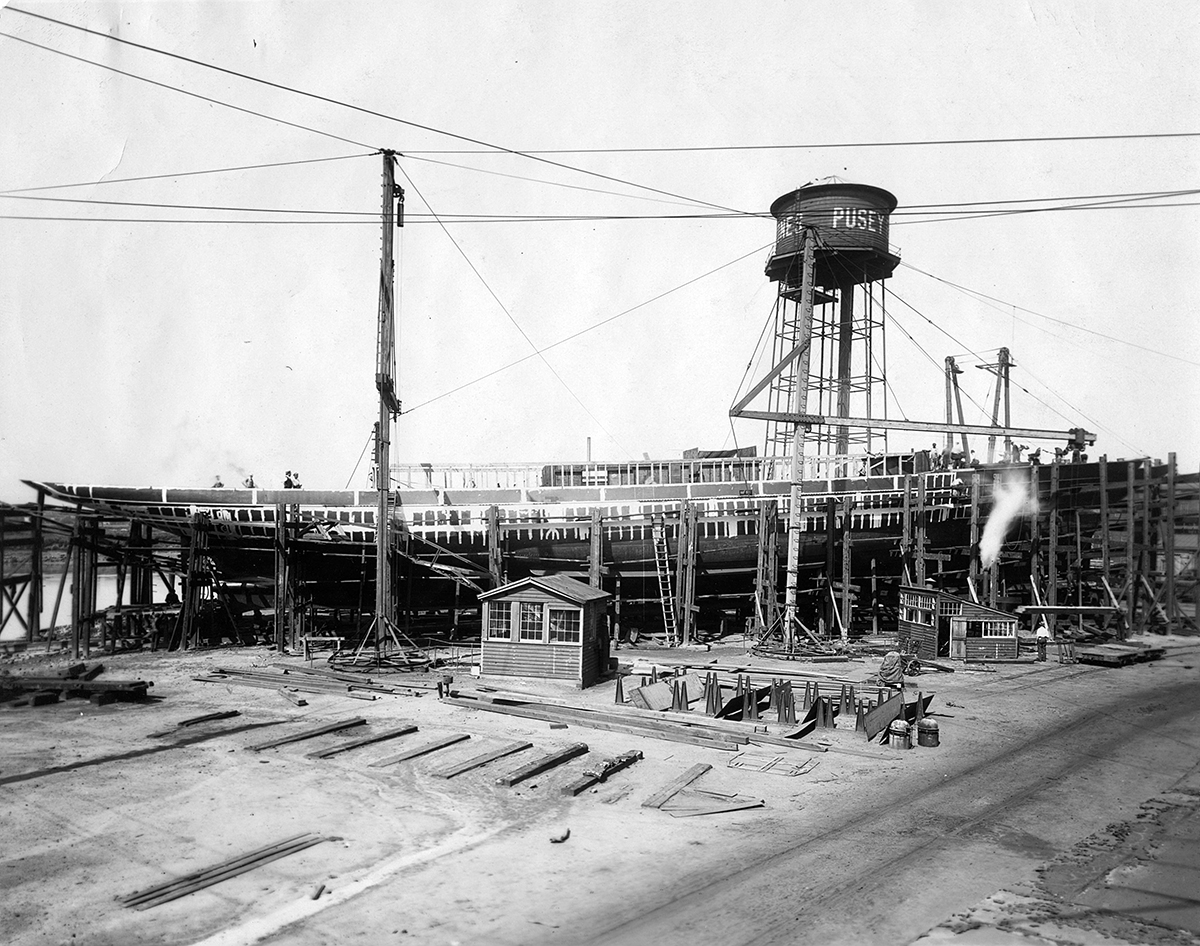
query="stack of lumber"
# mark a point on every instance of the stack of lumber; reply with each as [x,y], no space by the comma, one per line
[73,681]
[198,880]
[766,674]
[693,729]
[354,686]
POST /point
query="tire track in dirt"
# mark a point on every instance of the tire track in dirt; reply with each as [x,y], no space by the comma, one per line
[728,908]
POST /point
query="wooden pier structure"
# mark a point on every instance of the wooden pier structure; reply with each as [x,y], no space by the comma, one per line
[1107,544]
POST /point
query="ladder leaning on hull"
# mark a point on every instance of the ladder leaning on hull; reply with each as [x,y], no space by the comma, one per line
[662,561]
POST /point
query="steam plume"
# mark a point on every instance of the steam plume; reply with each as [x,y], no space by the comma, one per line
[1010,499]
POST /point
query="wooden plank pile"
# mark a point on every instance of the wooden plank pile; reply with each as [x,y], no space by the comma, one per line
[1116,654]
[190,883]
[683,727]
[309,680]
[22,690]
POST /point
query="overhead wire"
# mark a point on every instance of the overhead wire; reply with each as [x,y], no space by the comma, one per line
[591,328]
[1091,420]
[503,308]
[801,146]
[1073,325]
[174,88]
[577,187]
[174,174]
[349,105]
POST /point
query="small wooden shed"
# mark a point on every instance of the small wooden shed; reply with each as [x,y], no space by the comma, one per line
[945,625]
[548,626]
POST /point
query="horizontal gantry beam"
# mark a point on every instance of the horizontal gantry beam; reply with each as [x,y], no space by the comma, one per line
[814,420]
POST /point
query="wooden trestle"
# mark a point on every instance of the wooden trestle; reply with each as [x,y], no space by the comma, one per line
[1116,542]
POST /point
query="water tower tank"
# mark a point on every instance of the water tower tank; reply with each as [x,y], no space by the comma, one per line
[851,222]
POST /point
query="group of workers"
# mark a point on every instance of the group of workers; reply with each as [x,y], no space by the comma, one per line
[291,480]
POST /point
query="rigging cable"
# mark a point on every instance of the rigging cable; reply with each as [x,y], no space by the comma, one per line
[357,108]
[155,177]
[195,95]
[1081,328]
[1080,413]
[592,327]
[505,310]
[925,143]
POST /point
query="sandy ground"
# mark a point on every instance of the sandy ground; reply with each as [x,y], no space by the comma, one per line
[94,808]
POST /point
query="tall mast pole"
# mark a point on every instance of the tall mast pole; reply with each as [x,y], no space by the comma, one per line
[799,406]
[389,406]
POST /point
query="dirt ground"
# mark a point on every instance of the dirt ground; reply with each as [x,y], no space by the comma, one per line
[870,845]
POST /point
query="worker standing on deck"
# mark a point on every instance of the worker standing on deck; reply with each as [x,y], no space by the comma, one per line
[1043,639]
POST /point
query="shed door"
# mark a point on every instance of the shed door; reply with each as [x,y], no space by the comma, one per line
[958,638]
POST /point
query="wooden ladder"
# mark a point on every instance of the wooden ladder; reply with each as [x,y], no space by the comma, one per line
[662,560]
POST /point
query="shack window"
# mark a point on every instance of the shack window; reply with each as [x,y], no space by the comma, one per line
[499,621]
[531,622]
[990,629]
[564,626]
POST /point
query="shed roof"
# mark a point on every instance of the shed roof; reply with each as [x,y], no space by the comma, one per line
[558,585]
[999,615]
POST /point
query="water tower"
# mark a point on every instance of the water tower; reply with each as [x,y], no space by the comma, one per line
[843,371]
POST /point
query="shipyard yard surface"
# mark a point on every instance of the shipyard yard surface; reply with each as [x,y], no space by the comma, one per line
[1047,805]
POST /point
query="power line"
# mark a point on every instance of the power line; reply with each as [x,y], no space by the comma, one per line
[576,187]
[505,310]
[157,177]
[1050,318]
[591,328]
[357,108]
[416,218]
[173,88]
[466,217]
[1040,200]
[912,143]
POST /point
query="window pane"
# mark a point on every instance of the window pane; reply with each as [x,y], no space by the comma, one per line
[531,621]
[565,626]
[499,621]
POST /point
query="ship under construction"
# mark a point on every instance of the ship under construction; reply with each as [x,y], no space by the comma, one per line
[804,544]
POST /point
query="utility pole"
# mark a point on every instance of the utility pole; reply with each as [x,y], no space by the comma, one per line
[1001,371]
[389,404]
[799,406]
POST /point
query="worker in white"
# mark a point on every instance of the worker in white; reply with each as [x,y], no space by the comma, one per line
[1043,638]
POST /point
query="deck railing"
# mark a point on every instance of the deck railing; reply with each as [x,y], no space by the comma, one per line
[464,475]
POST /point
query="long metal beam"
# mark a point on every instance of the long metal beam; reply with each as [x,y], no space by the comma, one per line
[934,426]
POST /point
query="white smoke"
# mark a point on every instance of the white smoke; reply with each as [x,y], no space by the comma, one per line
[1010,499]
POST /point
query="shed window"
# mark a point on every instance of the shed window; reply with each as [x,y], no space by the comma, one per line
[565,626]
[499,621]
[531,622]
[990,629]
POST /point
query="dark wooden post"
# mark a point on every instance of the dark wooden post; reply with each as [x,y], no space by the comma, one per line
[906,526]
[921,517]
[973,567]
[33,626]
[494,547]
[77,584]
[1145,554]
[993,589]
[281,575]
[874,600]
[1168,543]
[1105,550]
[847,542]
[1052,551]
[595,549]
[1131,587]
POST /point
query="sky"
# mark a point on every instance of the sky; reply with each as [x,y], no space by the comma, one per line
[145,345]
